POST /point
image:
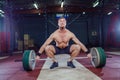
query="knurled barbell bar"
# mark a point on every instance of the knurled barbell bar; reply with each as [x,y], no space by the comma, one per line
[98,58]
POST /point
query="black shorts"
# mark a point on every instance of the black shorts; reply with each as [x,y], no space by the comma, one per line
[65,50]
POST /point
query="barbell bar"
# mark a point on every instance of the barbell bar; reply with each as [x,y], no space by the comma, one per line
[43,59]
[98,58]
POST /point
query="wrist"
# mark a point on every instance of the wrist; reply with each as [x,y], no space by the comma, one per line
[87,52]
[38,54]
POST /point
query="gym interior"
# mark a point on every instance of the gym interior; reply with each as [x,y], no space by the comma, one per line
[26,24]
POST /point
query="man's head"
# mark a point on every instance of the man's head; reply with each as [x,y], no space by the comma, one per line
[62,23]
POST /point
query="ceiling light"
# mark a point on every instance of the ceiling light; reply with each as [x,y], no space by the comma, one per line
[2,15]
[95,3]
[109,13]
[1,11]
[39,13]
[35,5]
[62,3]
[83,12]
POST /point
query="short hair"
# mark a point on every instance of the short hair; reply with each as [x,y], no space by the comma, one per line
[62,18]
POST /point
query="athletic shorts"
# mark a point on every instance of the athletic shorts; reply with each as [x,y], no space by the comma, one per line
[65,50]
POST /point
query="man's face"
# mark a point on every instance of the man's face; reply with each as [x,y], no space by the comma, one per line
[62,23]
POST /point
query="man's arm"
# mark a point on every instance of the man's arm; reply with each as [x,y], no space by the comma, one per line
[74,38]
[47,42]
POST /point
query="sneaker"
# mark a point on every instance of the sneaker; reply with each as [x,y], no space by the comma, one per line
[54,64]
[70,64]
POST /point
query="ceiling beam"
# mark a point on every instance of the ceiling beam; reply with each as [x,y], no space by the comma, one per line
[58,9]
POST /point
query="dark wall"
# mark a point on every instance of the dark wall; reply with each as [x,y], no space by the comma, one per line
[94,29]
[1,23]
[35,26]
[91,29]
[79,28]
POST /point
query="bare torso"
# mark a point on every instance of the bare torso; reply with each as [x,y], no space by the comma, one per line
[62,38]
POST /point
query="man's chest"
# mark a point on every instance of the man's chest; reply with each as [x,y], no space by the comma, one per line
[62,37]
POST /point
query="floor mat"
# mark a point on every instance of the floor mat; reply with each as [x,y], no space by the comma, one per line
[65,73]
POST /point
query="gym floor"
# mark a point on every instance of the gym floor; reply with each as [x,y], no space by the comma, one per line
[11,70]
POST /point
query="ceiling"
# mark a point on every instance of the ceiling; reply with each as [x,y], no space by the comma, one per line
[53,6]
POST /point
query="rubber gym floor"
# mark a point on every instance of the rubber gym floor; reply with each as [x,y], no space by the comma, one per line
[11,70]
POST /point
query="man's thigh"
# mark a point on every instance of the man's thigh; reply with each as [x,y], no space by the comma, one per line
[74,47]
[50,48]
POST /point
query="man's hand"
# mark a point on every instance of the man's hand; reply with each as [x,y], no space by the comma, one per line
[37,57]
[89,56]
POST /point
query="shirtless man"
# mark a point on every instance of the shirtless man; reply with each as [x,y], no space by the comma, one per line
[62,36]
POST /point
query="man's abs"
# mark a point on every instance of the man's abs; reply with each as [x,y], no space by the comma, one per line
[62,45]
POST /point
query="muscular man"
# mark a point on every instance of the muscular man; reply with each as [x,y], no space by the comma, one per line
[62,36]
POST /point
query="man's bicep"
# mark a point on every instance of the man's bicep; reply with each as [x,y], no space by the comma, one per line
[75,39]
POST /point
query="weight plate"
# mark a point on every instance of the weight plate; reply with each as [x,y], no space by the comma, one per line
[25,60]
[95,60]
[99,58]
[102,57]
[29,60]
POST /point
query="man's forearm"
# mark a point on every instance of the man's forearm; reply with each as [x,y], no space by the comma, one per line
[83,47]
[41,50]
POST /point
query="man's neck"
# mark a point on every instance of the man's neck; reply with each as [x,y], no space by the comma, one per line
[62,30]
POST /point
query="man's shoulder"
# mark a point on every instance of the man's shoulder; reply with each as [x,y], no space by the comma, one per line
[69,31]
[55,31]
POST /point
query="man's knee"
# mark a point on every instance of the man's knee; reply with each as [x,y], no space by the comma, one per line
[75,47]
[49,48]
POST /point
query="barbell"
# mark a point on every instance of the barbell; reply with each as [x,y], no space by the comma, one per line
[98,58]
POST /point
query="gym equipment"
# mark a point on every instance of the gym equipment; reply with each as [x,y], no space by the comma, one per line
[98,58]
[29,60]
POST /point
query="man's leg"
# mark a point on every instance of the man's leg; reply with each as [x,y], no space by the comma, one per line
[74,50]
[50,51]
